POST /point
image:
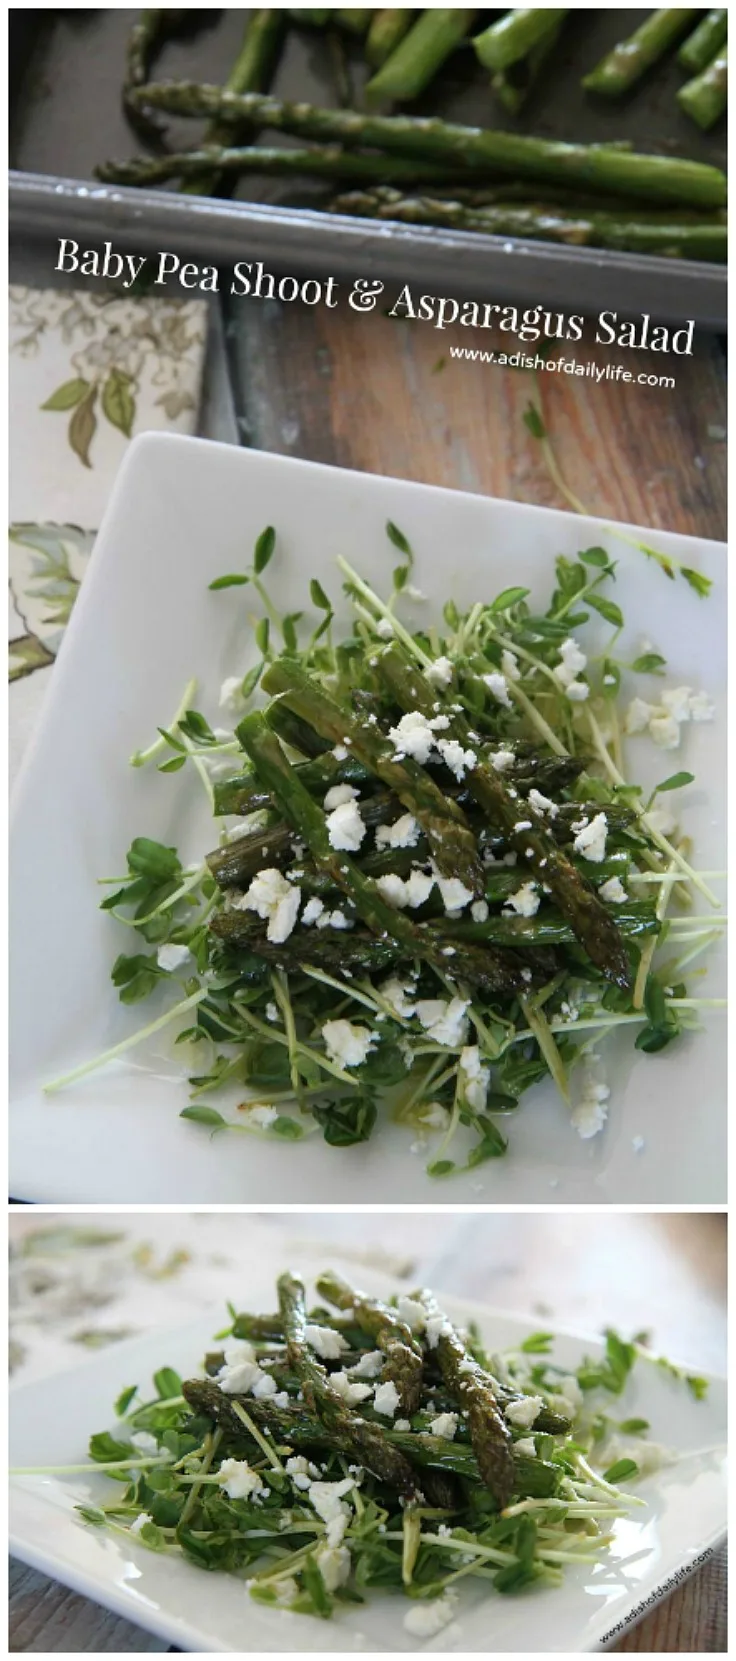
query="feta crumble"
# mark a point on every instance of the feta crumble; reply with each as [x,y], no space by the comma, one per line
[172,957]
[613,890]
[510,665]
[475,1077]
[665,730]
[526,1446]
[347,1042]
[275,899]
[445,1425]
[349,1391]
[501,760]
[456,758]
[454,893]
[312,910]
[369,1365]
[231,694]
[425,1620]
[498,688]
[591,839]
[413,1313]
[404,833]
[523,1413]
[479,911]
[385,628]
[412,737]
[571,664]
[345,828]
[140,1522]
[333,1563]
[589,1116]
[386,1399]
[439,673]
[444,1019]
[325,1341]
[542,804]
[338,795]
[525,902]
[239,1481]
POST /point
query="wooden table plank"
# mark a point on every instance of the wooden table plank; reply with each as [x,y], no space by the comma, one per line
[385,396]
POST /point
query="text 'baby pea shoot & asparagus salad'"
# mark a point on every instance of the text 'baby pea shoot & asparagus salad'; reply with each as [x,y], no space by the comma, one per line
[440,886]
[330,1453]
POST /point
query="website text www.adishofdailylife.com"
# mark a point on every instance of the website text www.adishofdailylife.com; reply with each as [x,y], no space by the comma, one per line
[563,365]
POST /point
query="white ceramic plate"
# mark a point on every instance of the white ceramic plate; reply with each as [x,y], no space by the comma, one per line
[182,513]
[653,1549]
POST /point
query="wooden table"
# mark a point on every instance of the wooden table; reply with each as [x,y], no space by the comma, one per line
[384,395]
[664,1270]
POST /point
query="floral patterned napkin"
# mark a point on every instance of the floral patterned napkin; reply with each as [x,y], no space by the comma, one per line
[88,371]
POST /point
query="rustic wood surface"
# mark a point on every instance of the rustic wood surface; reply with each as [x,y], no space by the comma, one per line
[384,395]
[572,1267]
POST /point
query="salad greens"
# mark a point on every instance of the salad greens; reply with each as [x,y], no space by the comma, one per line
[358,1445]
[440,886]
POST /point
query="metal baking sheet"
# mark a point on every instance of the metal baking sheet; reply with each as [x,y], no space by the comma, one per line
[65,78]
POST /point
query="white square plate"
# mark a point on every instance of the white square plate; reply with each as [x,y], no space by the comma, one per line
[182,513]
[653,1549]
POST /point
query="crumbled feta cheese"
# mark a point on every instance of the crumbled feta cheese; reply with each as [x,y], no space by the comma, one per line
[527,1446]
[434,1116]
[613,890]
[402,1424]
[261,1115]
[649,1456]
[393,890]
[701,707]
[479,911]
[281,1399]
[572,662]
[347,1043]
[425,1619]
[569,1391]
[439,673]
[454,893]
[523,1413]
[345,828]
[239,1379]
[264,1386]
[676,702]
[350,1392]
[333,1563]
[404,833]
[638,1144]
[326,1497]
[475,1077]
[413,1313]
[510,665]
[418,888]
[590,1114]
[239,1481]
[300,1471]
[412,737]
[591,839]
[385,628]
[338,795]
[501,760]
[455,757]
[369,1365]
[272,897]
[386,1399]
[231,695]
[140,1522]
[312,910]
[437,1325]
[272,1013]
[398,996]
[334,920]
[445,1425]
[239,1350]
[340,752]
[144,1442]
[172,957]
[325,1341]
[498,688]
[542,804]
[665,731]
[638,716]
[523,824]
[577,691]
[525,902]
[444,1020]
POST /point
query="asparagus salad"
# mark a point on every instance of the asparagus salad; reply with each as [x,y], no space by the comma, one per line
[324,1453]
[438,885]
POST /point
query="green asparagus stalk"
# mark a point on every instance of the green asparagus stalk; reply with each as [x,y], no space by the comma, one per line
[148,34]
[387,30]
[366,1441]
[701,46]
[238,862]
[252,72]
[665,236]
[540,854]
[418,57]
[621,68]
[493,970]
[245,793]
[704,98]
[651,178]
[355,19]
[513,86]
[443,822]
[323,162]
[516,34]
[474,1391]
[403,1366]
